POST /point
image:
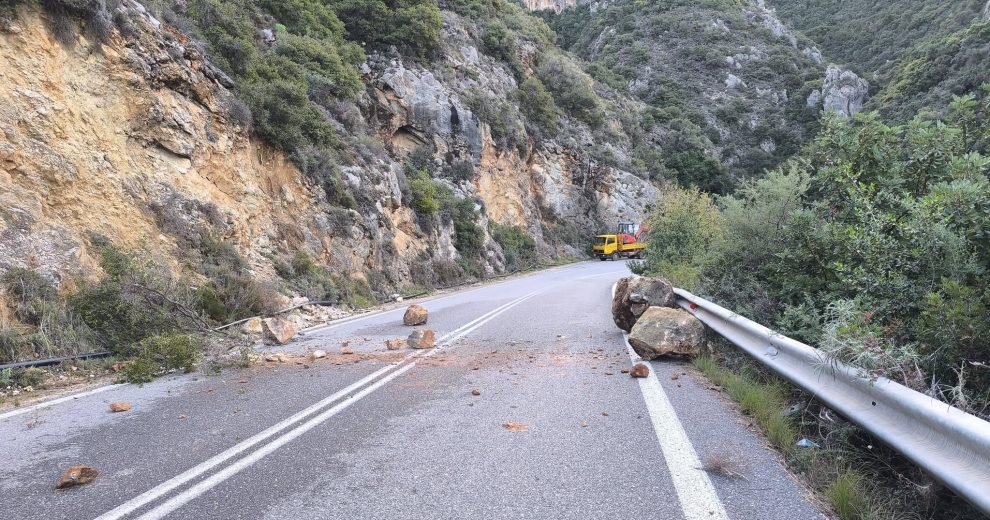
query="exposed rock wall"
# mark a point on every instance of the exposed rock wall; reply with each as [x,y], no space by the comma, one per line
[133,140]
[96,141]
[843,92]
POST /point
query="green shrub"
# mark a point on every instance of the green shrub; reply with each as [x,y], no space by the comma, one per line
[461,170]
[686,234]
[872,246]
[469,238]
[572,89]
[424,194]
[517,244]
[538,105]
[309,278]
[499,43]
[31,376]
[502,118]
[413,26]
[276,91]
[163,353]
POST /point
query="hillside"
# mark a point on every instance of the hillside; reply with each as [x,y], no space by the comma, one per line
[918,53]
[728,78]
[278,150]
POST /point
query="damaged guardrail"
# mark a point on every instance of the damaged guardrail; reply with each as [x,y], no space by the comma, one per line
[950,444]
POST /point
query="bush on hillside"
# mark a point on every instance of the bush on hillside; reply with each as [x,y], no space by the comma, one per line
[871,245]
[572,89]
[517,245]
[538,106]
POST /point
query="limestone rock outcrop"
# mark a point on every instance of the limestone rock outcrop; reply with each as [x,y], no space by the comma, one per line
[843,92]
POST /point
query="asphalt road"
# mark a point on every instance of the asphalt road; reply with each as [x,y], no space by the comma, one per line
[398,434]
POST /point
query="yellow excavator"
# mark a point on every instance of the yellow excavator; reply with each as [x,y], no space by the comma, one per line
[626,242]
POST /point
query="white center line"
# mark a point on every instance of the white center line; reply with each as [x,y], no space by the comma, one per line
[190,494]
[164,488]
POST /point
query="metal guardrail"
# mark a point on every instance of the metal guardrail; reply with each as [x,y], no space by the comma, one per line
[950,444]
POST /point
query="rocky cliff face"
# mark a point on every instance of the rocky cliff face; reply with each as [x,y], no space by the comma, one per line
[135,141]
[843,92]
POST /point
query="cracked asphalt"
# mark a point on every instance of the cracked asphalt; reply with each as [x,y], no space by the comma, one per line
[543,353]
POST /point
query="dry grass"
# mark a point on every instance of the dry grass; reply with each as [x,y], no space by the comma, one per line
[722,463]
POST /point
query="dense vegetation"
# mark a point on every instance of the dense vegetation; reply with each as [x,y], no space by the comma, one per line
[917,54]
[676,56]
[872,246]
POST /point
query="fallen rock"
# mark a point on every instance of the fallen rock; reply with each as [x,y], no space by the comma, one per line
[76,476]
[422,338]
[120,407]
[276,357]
[346,350]
[661,331]
[395,344]
[635,294]
[415,315]
[513,426]
[639,370]
[279,330]
[253,326]
[475,392]
[318,354]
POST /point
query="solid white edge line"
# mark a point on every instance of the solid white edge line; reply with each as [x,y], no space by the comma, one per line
[164,488]
[695,492]
[697,495]
[190,494]
[53,402]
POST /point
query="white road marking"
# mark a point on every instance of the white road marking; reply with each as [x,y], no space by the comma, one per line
[53,402]
[204,486]
[354,319]
[164,488]
[697,495]
[695,491]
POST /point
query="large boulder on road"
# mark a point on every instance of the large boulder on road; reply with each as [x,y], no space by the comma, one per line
[662,331]
[422,338]
[415,315]
[279,330]
[635,294]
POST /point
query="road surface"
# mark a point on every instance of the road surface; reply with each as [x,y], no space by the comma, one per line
[384,434]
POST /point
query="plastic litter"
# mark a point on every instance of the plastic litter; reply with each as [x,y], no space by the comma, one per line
[807,443]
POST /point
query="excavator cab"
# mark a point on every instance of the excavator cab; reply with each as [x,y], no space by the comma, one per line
[628,228]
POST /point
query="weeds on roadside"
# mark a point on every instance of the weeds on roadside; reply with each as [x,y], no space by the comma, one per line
[859,478]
